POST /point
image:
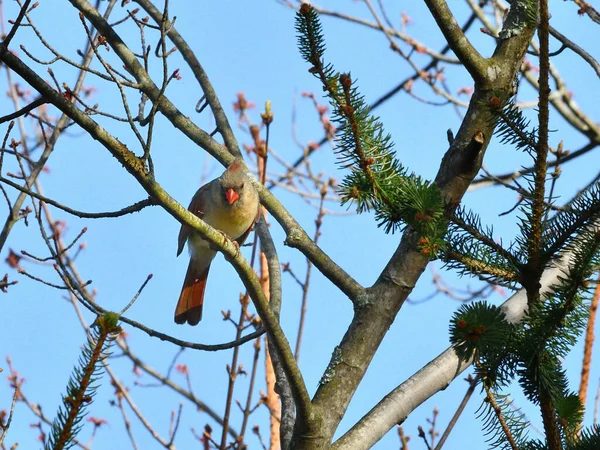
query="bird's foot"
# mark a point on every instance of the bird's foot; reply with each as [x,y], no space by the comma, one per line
[233,242]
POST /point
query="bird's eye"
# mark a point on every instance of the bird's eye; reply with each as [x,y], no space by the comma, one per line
[242,186]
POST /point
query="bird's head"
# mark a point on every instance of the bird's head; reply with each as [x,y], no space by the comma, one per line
[233,183]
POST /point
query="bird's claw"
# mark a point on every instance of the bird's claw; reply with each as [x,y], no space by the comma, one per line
[226,238]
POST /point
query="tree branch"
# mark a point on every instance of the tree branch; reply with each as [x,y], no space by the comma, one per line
[24,110]
[296,236]
[177,388]
[17,24]
[137,168]
[395,407]
[136,207]
[377,309]
[475,64]
[210,95]
[50,143]
[282,386]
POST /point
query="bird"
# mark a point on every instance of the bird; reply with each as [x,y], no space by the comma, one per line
[230,204]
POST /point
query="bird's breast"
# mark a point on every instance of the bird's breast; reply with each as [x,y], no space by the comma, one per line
[232,221]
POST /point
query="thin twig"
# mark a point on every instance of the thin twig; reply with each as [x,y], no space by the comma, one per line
[17,24]
[305,285]
[137,294]
[461,407]
[588,345]
[10,415]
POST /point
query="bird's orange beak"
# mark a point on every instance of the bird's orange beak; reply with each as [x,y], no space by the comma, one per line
[231,196]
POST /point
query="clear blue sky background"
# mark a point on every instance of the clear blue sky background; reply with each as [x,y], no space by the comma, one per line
[251,47]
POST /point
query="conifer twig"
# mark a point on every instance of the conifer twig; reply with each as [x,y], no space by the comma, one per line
[80,389]
[498,412]
[481,267]
[537,207]
[478,235]
[541,154]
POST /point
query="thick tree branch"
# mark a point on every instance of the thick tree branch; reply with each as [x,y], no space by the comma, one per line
[564,104]
[475,64]
[377,309]
[282,387]
[395,407]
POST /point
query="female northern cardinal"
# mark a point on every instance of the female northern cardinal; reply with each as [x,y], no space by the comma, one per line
[229,204]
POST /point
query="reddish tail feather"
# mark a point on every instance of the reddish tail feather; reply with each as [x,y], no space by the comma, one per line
[189,306]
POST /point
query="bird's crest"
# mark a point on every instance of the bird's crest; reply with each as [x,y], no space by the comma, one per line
[235,166]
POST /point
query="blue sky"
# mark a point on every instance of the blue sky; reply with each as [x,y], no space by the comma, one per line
[251,47]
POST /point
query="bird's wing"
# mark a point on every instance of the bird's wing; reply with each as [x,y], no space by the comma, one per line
[198,208]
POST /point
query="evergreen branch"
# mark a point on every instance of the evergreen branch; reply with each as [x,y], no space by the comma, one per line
[490,272]
[499,416]
[560,229]
[553,437]
[475,329]
[557,322]
[534,239]
[80,389]
[471,224]
[349,111]
[435,376]
[562,317]
[541,376]
[512,125]
[535,445]
[377,179]
[570,413]
[554,326]
[589,439]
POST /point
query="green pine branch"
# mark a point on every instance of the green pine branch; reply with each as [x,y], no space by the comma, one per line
[470,223]
[534,445]
[472,250]
[376,179]
[478,330]
[570,413]
[532,352]
[504,426]
[477,259]
[589,439]
[512,127]
[560,230]
[81,388]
